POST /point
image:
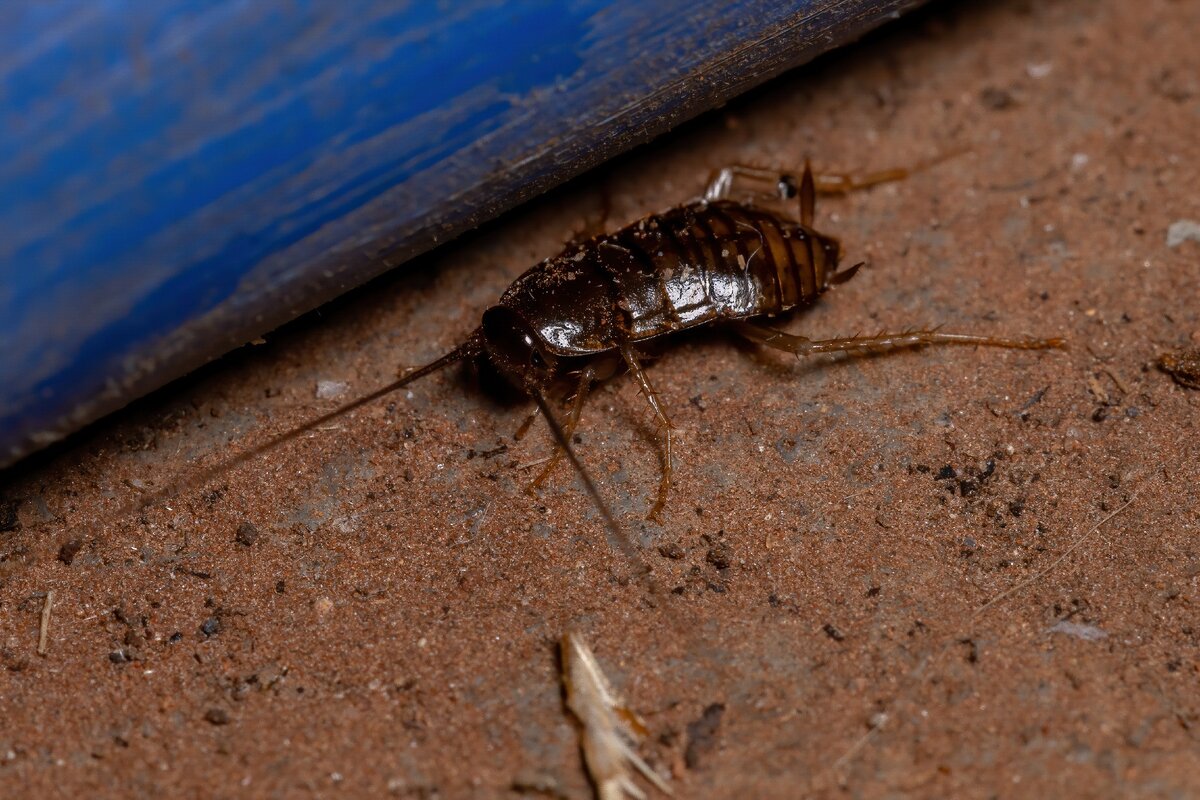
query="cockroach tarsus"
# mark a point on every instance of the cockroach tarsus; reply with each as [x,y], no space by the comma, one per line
[731,258]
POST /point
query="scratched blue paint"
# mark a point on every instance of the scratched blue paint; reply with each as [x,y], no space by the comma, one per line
[178,176]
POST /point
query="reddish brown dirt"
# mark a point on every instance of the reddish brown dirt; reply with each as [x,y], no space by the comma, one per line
[888,571]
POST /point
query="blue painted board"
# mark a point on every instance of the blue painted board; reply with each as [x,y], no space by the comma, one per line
[180,176]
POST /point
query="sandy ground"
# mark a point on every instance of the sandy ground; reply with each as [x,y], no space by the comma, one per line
[948,572]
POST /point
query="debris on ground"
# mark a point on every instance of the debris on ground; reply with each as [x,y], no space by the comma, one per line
[1086,632]
[1181,231]
[609,729]
[1183,366]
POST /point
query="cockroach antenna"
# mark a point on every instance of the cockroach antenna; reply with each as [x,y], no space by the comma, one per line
[471,348]
[468,349]
[619,537]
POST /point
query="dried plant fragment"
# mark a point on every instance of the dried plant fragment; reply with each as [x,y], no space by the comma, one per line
[609,730]
[1183,366]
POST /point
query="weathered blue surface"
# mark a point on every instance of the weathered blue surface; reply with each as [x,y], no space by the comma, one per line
[179,176]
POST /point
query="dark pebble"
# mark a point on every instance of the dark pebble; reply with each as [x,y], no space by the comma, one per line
[246,534]
[118,657]
[69,549]
[996,99]
[832,632]
[217,716]
[720,556]
[672,551]
[211,626]
[946,473]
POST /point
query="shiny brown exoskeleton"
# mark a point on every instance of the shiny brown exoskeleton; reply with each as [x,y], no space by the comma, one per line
[715,261]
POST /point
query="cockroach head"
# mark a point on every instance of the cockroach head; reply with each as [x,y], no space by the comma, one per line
[516,350]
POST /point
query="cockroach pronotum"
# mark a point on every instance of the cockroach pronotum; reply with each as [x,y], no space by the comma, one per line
[715,261]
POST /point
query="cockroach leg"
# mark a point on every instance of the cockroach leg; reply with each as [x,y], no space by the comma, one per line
[586,378]
[881,342]
[747,183]
[664,426]
[844,182]
[751,184]
[770,187]
[523,429]
[756,184]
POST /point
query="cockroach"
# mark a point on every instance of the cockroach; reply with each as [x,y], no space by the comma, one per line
[731,258]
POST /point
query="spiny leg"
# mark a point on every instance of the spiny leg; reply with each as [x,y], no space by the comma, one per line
[846,182]
[664,425]
[524,427]
[759,184]
[750,182]
[586,378]
[802,346]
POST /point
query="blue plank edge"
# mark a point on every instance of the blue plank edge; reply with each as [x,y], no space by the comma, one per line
[177,178]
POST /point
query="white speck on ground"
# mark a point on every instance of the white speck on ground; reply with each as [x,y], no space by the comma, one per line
[1039,71]
[1181,230]
[1089,632]
[329,390]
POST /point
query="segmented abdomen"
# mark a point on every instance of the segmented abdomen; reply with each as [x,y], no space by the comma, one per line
[679,269]
[708,261]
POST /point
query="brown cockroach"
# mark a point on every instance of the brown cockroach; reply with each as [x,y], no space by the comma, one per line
[714,261]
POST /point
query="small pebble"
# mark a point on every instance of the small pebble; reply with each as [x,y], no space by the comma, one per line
[672,551]
[720,556]
[217,716]
[69,549]
[246,534]
[996,99]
